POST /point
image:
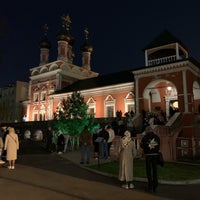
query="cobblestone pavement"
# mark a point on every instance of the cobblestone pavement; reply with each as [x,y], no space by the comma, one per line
[55,177]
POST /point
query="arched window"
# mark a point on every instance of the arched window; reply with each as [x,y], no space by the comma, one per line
[42,113]
[52,89]
[109,106]
[91,106]
[129,102]
[35,113]
[36,95]
[43,94]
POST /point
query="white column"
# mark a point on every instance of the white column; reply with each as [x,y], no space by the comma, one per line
[50,109]
[86,57]
[28,112]
[177,52]
[185,91]
[136,96]
[167,107]
[146,58]
[58,81]
[29,90]
[150,100]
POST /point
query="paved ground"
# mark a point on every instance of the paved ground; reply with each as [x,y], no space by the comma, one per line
[54,177]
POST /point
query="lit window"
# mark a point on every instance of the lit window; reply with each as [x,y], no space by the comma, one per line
[91,111]
[184,143]
[91,106]
[109,106]
[35,116]
[35,98]
[110,111]
[129,103]
[43,96]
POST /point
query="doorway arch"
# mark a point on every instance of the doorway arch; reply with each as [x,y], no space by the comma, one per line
[160,95]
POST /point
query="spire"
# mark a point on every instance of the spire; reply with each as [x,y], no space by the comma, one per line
[44,42]
[65,41]
[66,22]
[45,45]
[64,34]
[86,34]
[46,28]
[86,49]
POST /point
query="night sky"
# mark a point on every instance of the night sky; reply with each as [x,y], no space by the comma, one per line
[118,31]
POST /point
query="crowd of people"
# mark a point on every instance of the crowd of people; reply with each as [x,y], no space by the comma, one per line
[97,143]
[101,139]
[150,145]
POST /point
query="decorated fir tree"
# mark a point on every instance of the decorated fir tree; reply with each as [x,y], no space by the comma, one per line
[71,117]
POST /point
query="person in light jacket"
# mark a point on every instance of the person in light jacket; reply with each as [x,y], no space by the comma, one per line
[11,146]
[127,152]
[111,137]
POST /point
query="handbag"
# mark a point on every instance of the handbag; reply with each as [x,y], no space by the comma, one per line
[160,159]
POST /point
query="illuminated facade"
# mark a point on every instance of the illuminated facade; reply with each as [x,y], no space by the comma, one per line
[50,82]
[169,80]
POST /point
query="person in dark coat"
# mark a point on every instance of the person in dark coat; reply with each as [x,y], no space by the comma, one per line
[150,144]
[85,143]
[49,138]
[95,143]
[104,143]
[60,142]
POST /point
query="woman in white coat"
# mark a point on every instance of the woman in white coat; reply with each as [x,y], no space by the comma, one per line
[127,152]
[11,146]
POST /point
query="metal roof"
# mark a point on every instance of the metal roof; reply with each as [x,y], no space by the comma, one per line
[100,81]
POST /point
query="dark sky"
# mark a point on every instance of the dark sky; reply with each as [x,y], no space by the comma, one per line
[119,30]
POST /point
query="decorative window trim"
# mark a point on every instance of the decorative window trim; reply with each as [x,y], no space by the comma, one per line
[42,113]
[43,96]
[52,89]
[129,101]
[91,105]
[109,102]
[36,97]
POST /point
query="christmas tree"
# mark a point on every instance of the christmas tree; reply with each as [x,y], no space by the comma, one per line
[71,116]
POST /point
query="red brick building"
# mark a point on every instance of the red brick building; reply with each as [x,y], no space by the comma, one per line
[170,80]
